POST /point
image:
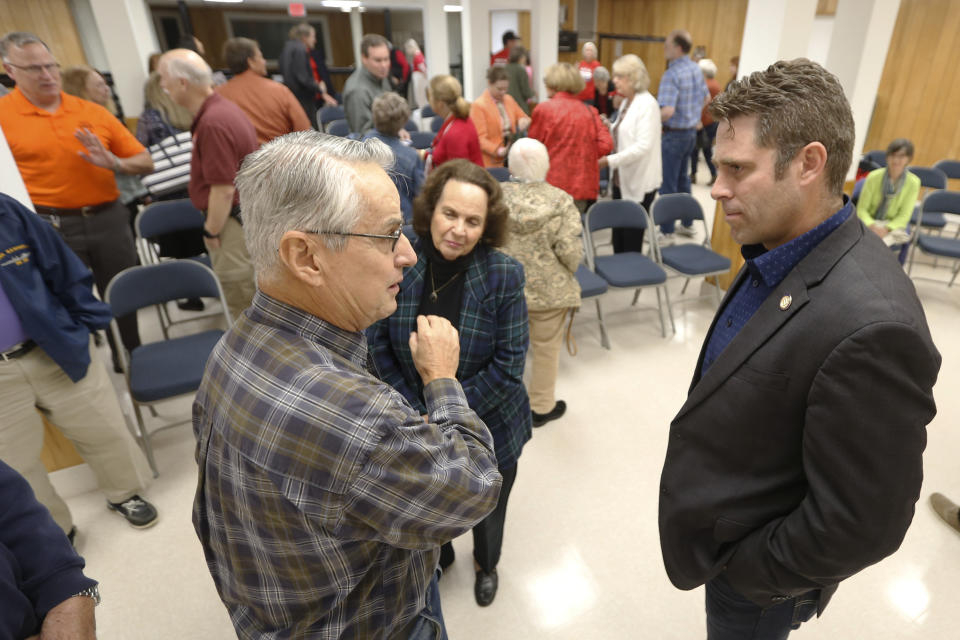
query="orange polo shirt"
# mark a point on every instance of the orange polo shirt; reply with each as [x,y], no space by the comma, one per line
[48,154]
[270,105]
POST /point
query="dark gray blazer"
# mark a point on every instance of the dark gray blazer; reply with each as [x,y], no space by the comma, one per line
[796,460]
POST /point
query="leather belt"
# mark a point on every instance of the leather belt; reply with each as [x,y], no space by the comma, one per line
[81,211]
[18,350]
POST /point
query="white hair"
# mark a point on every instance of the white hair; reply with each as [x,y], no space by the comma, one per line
[193,69]
[708,67]
[591,45]
[305,181]
[529,160]
[631,67]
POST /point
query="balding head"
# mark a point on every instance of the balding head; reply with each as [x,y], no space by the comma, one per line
[678,44]
[186,78]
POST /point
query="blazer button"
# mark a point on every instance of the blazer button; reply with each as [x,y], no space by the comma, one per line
[780,598]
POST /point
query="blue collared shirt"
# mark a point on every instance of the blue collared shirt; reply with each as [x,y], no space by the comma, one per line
[406,173]
[683,88]
[766,270]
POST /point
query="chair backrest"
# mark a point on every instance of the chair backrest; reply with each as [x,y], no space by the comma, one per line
[427,112]
[339,128]
[877,156]
[942,201]
[502,174]
[949,167]
[144,286]
[171,165]
[675,206]
[411,126]
[857,188]
[421,139]
[329,114]
[930,178]
[607,214]
[167,217]
[436,123]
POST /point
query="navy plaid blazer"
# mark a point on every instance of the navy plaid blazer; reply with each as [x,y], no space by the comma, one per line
[494,336]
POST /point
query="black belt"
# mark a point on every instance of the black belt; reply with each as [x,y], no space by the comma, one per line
[81,211]
[673,129]
[18,350]
[234,213]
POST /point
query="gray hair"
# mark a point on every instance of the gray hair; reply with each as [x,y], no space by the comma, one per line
[529,160]
[18,39]
[195,71]
[708,67]
[631,66]
[590,44]
[304,181]
[300,30]
[601,75]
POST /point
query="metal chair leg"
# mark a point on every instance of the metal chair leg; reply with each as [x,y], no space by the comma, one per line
[604,340]
[666,295]
[636,296]
[685,283]
[144,438]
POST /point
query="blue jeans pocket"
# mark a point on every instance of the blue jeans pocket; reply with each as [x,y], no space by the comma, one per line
[803,609]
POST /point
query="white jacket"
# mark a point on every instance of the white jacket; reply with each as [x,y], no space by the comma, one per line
[638,148]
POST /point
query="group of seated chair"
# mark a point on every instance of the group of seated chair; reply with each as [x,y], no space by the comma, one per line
[333,120]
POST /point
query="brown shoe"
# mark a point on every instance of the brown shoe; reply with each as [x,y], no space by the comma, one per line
[946,509]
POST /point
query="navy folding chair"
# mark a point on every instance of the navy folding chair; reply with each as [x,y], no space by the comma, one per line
[877,157]
[930,179]
[339,128]
[328,114]
[941,202]
[593,286]
[411,126]
[436,123]
[171,367]
[502,174]
[950,168]
[689,259]
[631,269]
[427,112]
[857,189]
[422,139]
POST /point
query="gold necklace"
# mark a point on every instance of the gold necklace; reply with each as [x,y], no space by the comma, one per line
[433,295]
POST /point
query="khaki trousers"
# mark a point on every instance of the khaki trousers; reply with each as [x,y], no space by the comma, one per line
[546,339]
[231,263]
[88,414]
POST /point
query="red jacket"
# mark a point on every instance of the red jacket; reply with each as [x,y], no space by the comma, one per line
[585,69]
[457,138]
[576,138]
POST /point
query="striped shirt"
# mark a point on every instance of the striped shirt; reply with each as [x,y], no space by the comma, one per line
[323,496]
[683,88]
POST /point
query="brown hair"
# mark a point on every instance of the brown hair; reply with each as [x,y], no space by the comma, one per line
[446,89]
[497,73]
[237,51]
[796,102]
[516,53]
[370,41]
[495,225]
[563,77]
[900,144]
[75,83]
[390,113]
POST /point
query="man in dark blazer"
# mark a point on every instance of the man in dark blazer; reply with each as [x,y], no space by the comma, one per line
[796,460]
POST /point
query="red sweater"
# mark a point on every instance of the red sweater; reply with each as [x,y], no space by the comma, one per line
[576,138]
[457,138]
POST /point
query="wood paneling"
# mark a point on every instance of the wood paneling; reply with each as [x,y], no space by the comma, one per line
[571,5]
[826,7]
[919,93]
[716,25]
[51,20]
[523,27]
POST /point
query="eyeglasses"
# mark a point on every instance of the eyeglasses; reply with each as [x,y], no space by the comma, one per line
[395,236]
[37,69]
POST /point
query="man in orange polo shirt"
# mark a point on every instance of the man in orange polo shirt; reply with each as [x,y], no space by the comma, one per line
[67,151]
[271,106]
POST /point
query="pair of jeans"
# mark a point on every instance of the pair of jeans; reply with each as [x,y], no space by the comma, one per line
[675,150]
[429,624]
[705,138]
[730,616]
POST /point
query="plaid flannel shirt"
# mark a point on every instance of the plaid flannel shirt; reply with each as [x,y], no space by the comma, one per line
[683,88]
[323,496]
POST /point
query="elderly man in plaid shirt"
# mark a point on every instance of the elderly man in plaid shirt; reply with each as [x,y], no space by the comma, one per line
[682,94]
[323,496]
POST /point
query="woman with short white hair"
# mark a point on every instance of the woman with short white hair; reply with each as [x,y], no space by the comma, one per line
[544,236]
[635,165]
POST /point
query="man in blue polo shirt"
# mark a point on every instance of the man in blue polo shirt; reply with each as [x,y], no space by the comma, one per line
[796,460]
[48,364]
[681,95]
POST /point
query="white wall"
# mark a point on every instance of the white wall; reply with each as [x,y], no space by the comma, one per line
[820,36]
[129,41]
[501,21]
[10,181]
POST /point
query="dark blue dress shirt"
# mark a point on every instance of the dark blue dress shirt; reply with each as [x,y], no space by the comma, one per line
[766,270]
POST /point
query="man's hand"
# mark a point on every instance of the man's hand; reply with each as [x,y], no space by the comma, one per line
[96,154]
[501,151]
[602,162]
[879,229]
[72,619]
[403,134]
[435,347]
[523,124]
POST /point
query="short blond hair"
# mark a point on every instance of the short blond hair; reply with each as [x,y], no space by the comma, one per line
[631,67]
[563,77]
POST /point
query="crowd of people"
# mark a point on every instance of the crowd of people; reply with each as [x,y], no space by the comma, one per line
[368,405]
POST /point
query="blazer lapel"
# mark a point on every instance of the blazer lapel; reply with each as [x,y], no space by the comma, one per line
[772,315]
[475,286]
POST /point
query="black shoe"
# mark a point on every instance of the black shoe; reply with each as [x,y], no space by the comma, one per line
[117,367]
[191,304]
[72,536]
[485,588]
[138,512]
[447,555]
[540,419]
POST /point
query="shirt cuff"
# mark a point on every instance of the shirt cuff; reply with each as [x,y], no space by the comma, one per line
[443,392]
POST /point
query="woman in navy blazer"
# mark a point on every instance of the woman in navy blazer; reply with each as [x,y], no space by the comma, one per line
[460,218]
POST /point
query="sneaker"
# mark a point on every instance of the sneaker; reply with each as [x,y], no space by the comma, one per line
[138,512]
[665,239]
[686,232]
[540,419]
[946,509]
[190,304]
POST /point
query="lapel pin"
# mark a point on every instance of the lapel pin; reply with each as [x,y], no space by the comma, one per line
[785,302]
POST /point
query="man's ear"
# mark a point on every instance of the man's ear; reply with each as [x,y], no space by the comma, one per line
[813,162]
[303,256]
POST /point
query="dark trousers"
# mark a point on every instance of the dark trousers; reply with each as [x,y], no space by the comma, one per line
[675,150]
[488,533]
[104,242]
[705,138]
[730,616]
[630,239]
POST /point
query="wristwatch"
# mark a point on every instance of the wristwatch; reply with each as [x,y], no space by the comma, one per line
[92,592]
[212,236]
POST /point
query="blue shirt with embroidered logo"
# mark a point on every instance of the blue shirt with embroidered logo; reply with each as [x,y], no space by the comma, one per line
[49,288]
[766,270]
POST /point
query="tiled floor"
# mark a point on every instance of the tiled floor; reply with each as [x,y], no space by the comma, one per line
[581,557]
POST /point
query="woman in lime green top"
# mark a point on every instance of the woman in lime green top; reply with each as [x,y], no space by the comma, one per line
[889,195]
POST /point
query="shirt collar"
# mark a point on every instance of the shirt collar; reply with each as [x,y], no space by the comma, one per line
[351,345]
[211,99]
[773,266]
[23,105]
[677,61]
